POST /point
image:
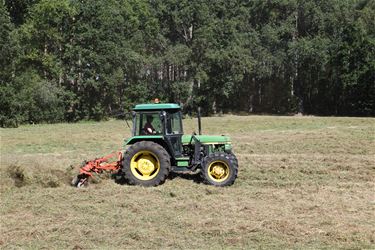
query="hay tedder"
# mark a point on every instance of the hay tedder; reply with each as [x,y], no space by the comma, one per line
[158,147]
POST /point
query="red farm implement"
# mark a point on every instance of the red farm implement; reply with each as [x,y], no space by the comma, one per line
[97,166]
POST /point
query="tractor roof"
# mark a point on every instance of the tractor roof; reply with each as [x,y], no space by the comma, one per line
[156,106]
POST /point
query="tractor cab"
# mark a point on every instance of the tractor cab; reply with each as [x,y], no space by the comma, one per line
[159,121]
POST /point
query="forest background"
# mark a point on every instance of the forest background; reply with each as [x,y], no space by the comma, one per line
[71,60]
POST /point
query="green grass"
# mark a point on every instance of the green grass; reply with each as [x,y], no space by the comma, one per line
[304,182]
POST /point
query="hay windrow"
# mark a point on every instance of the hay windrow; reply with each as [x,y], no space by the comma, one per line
[23,175]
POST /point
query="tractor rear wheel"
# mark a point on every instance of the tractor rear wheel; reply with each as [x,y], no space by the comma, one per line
[220,169]
[146,163]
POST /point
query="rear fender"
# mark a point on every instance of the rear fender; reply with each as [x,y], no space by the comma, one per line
[157,139]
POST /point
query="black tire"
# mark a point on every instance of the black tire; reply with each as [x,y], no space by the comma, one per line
[80,181]
[227,162]
[156,152]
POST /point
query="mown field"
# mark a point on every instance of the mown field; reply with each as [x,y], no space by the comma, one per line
[304,182]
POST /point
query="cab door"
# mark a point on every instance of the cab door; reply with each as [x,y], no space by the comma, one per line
[174,132]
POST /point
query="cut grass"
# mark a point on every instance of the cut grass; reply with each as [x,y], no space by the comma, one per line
[304,182]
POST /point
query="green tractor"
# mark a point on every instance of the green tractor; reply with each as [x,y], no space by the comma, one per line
[158,146]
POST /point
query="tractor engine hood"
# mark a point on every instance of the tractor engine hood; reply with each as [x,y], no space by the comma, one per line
[208,139]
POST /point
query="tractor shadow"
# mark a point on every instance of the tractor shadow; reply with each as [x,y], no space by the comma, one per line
[191,177]
[119,178]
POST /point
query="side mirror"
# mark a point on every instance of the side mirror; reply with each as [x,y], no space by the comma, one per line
[163,114]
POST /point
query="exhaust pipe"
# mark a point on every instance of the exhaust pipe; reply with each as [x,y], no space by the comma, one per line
[199,121]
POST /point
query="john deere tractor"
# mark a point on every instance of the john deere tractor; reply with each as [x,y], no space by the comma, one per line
[158,147]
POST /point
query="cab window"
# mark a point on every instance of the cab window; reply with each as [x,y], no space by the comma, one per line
[174,125]
[148,124]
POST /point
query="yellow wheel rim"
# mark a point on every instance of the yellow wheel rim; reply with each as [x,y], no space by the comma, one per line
[145,165]
[218,171]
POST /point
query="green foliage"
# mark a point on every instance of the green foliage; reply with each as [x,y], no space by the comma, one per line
[7,51]
[73,60]
[31,99]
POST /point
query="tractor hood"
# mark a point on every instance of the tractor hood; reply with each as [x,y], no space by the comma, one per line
[208,139]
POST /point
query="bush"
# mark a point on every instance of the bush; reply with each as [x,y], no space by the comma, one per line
[29,99]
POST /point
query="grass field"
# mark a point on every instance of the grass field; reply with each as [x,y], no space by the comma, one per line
[304,182]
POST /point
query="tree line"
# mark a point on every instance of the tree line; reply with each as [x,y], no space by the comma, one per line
[68,60]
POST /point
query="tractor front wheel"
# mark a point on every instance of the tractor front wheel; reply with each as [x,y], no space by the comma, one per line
[220,169]
[146,163]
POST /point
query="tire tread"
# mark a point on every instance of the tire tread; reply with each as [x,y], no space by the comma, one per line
[233,165]
[164,159]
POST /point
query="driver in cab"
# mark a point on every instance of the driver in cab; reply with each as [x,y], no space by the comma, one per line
[148,128]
